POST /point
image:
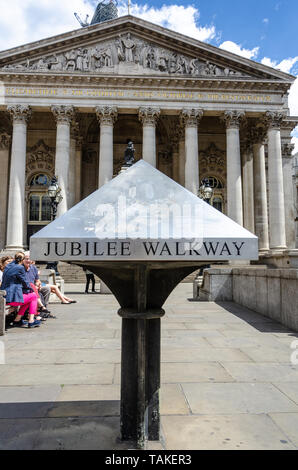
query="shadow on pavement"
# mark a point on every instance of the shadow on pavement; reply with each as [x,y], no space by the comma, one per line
[78,425]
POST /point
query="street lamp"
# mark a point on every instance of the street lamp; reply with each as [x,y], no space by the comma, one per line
[54,193]
[205,191]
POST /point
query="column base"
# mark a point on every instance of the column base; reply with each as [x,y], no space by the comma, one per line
[293,258]
[276,257]
[13,249]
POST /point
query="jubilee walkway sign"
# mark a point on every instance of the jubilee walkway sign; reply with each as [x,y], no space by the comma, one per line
[142,233]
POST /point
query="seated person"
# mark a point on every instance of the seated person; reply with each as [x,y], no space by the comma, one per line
[44,290]
[18,291]
[4,261]
[32,277]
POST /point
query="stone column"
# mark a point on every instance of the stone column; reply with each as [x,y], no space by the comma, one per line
[248,187]
[106,116]
[287,165]
[78,169]
[149,116]
[175,161]
[63,115]
[260,189]
[234,180]
[72,166]
[16,200]
[190,119]
[181,145]
[5,141]
[277,230]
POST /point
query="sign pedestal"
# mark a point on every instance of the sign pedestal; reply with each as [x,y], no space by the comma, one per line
[141,289]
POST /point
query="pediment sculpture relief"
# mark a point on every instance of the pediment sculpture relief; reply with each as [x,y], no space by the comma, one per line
[125,50]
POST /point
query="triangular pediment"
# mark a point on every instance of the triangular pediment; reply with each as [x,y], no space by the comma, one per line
[131,46]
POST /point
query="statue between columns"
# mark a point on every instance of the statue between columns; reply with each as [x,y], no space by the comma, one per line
[129,153]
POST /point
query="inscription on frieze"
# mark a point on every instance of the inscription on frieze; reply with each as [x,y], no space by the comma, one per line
[119,94]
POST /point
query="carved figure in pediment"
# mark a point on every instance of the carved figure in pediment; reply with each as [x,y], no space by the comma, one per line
[56,63]
[182,65]
[71,58]
[79,59]
[194,67]
[106,57]
[163,60]
[209,69]
[150,59]
[42,64]
[173,63]
[128,47]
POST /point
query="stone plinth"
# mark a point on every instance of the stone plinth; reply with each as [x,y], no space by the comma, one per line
[271,292]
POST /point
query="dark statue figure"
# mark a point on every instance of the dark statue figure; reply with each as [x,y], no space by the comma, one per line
[129,154]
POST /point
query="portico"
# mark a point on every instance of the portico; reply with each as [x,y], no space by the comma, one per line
[228,123]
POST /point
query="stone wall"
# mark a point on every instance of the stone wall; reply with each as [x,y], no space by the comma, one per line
[271,292]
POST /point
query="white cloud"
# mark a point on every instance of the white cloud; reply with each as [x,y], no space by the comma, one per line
[23,21]
[285,65]
[183,19]
[239,50]
[266,20]
[45,18]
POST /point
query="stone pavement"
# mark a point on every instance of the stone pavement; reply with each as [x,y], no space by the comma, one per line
[227,378]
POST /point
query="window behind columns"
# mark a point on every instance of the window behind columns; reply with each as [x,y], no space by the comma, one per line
[39,204]
[217,200]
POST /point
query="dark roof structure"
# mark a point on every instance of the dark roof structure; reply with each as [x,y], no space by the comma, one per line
[106,10]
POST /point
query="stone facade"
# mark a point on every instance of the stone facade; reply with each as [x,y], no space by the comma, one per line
[192,110]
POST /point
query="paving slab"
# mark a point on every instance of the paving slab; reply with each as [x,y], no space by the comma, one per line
[224,432]
[250,372]
[288,423]
[289,389]
[230,398]
[203,355]
[57,374]
[226,378]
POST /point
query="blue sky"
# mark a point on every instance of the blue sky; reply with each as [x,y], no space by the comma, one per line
[262,30]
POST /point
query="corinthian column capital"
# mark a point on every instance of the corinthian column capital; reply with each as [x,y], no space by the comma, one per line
[273,119]
[258,135]
[106,114]
[191,117]
[232,118]
[287,150]
[149,116]
[63,114]
[20,113]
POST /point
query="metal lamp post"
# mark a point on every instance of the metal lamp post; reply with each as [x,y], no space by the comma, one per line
[205,193]
[54,193]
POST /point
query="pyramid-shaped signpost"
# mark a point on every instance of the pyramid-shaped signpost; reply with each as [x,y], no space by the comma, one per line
[142,233]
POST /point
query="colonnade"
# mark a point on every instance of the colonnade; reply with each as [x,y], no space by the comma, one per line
[246,174]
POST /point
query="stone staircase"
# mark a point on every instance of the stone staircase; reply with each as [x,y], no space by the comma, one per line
[75,275]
